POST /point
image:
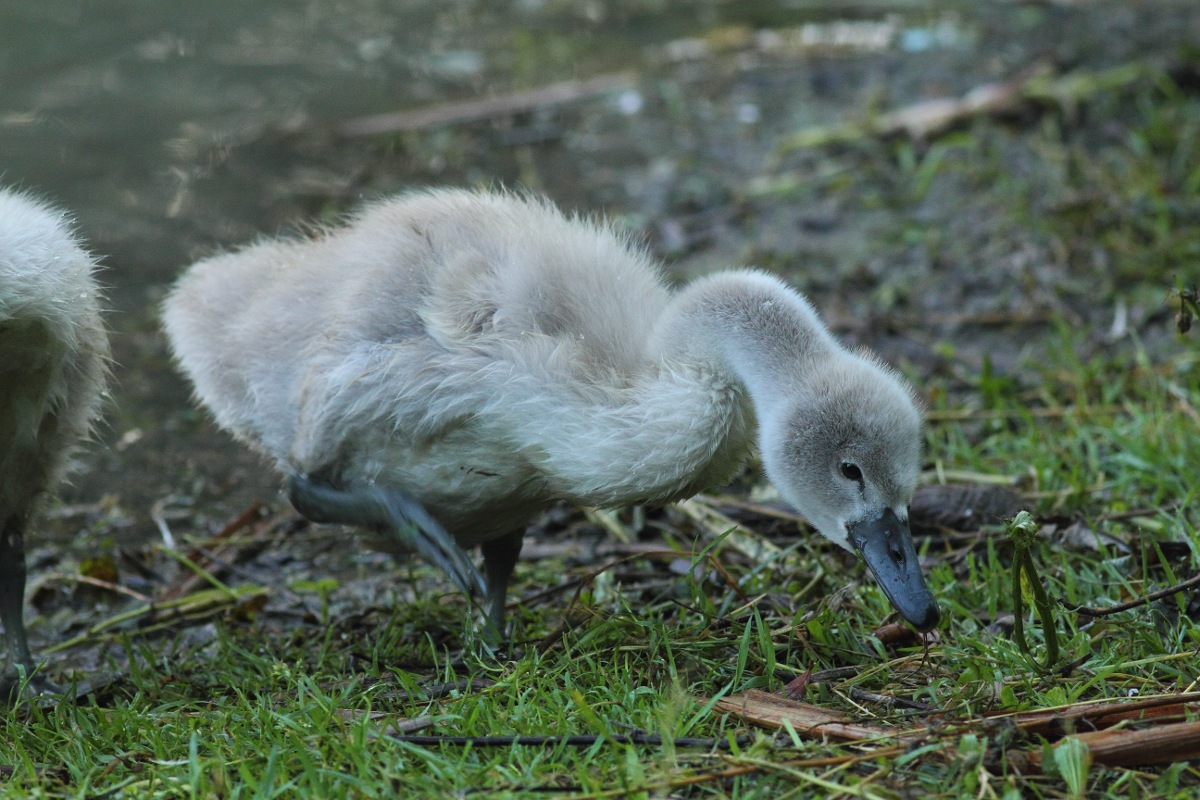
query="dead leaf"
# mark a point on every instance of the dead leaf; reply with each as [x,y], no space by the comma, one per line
[797,686]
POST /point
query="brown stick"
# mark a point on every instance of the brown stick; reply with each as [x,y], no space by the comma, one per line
[930,118]
[108,585]
[478,109]
[1101,714]
[770,711]
[1141,601]
[888,700]
[1168,735]
[1121,747]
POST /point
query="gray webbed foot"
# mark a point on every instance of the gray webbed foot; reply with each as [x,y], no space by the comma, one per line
[394,514]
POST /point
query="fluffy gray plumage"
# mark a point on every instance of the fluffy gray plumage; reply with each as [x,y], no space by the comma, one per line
[479,356]
[53,368]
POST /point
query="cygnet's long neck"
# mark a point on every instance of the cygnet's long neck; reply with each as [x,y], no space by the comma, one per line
[686,425]
[751,324]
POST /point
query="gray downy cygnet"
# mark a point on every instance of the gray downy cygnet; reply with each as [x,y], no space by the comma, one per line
[451,362]
[54,360]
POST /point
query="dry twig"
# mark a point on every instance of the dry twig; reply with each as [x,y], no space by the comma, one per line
[1140,601]
[477,109]
[929,118]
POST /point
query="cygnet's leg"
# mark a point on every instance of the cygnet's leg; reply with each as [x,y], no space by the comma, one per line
[12,601]
[393,513]
[499,559]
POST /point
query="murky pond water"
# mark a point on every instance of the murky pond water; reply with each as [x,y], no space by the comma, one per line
[170,132]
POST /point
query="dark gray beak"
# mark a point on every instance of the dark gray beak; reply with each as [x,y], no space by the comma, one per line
[886,545]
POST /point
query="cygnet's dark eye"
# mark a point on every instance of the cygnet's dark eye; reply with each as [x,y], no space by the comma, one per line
[851,472]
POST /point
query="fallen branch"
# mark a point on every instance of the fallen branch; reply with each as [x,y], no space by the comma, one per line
[771,711]
[888,700]
[87,580]
[1125,747]
[477,109]
[1101,714]
[1160,744]
[929,118]
[1104,727]
[1141,601]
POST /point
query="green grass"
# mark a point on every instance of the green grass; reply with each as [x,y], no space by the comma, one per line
[1087,430]
[261,712]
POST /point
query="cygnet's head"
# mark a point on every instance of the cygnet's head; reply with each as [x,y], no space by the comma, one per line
[846,452]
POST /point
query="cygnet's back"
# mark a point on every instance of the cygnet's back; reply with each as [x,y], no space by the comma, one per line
[480,274]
